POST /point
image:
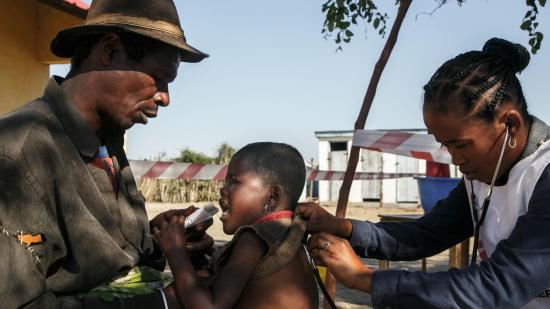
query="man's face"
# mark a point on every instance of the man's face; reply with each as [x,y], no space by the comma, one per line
[137,89]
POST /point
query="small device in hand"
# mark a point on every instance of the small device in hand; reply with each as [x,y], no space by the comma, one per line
[200,215]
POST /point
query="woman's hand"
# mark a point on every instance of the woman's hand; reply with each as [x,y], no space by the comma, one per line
[171,235]
[319,220]
[338,256]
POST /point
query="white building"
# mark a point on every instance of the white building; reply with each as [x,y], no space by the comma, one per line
[334,149]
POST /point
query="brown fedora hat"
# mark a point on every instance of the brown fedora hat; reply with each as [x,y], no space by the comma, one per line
[156,19]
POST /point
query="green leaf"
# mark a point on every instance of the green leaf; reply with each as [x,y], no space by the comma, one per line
[535,42]
[381,31]
[376,23]
[353,7]
[349,33]
[526,25]
[542,2]
[532,42]
[340,3]
[344,25]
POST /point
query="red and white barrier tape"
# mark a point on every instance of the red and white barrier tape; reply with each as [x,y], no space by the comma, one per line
[175,170]
[419,146]
[332,175]
[196,171]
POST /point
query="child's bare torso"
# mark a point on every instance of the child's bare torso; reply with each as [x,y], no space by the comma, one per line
[293,286]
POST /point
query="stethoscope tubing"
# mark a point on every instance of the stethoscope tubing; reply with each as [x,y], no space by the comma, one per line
[479,221]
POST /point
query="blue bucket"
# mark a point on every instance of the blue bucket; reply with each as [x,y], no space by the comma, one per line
[433,189]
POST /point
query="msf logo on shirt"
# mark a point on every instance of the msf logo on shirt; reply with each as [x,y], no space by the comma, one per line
[481,251]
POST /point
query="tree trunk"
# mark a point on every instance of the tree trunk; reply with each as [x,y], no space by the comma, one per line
[360,123]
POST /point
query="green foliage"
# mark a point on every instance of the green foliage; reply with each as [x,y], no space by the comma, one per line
[191,156]
[225,152]
[223,155]
[530,24]
[342,15]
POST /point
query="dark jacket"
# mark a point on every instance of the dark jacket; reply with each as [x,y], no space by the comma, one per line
[49,187]
[516,272]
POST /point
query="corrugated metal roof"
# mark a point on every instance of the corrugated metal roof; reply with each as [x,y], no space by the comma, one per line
[78,3]
[76,8]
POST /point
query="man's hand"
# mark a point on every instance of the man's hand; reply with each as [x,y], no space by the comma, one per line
[167,215]
[319,220]
[338,256]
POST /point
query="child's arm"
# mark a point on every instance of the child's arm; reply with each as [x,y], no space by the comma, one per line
[229,284]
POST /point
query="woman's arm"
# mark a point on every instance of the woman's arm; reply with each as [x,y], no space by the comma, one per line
[447,224]
[228,285]
[516,272]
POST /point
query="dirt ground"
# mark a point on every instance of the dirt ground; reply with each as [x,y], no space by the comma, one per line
[345,298]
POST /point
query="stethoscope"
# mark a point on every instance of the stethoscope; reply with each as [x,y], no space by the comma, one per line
[315,270]
[478,221]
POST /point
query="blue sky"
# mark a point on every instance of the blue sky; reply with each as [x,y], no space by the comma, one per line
[271,75]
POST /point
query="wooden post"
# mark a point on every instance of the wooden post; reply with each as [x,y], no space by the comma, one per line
[464,253]
[362,118]
[382,184]
[458,255]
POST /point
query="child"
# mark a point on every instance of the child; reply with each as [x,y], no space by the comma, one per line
[263,266]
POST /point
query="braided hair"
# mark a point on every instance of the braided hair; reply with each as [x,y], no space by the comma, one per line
[477,82]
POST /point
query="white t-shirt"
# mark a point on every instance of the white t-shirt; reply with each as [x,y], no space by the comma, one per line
[508,202]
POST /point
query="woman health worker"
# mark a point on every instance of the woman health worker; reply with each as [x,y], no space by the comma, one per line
[473,105]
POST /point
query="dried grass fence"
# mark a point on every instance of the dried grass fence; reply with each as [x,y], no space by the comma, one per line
[179,191]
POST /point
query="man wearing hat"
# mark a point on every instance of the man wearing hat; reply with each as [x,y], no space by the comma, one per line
[71,217]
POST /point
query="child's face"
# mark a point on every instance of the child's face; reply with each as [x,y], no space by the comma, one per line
[242,197]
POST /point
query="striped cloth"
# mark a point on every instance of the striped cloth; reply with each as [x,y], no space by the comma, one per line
[103,161]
